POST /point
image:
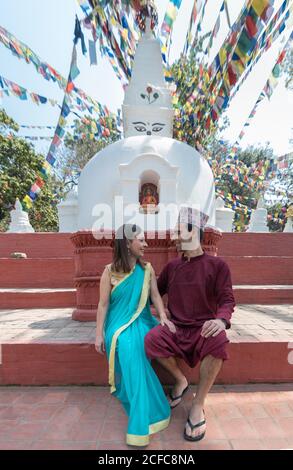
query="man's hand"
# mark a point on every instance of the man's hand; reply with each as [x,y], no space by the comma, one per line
[168,323]
[212,327]
[100,344]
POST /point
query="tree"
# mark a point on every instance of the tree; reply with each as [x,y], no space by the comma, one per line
[20,165]
[191,99]
[7,123]
[279,195]
[239,174]
[240,177]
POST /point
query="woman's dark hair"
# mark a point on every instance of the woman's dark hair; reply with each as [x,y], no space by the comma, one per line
[120,261]
[201,232]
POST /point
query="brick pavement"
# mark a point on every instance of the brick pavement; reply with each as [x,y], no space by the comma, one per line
[238,417]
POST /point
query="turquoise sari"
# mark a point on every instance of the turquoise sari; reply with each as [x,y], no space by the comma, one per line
[131,376]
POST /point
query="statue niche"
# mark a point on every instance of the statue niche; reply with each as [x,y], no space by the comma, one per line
[149,199]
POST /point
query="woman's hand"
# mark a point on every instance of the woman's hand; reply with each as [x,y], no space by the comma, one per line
[100,343]
[165,321]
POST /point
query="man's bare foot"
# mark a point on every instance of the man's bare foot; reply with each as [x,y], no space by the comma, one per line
[196,416]
[177,392]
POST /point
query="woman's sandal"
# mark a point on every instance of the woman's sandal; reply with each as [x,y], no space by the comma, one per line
[177,398]
[192,427]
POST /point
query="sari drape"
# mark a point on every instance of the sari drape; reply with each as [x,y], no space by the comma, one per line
[131,376]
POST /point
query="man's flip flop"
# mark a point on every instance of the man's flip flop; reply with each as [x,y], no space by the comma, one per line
[192,427]
[177,398]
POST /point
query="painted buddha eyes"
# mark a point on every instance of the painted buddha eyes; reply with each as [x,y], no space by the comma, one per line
[142,127]
[157,128]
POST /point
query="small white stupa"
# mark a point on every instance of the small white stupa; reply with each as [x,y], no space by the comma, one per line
[19,220]
[224,216]
[258,218]
[68,212]
[145,177]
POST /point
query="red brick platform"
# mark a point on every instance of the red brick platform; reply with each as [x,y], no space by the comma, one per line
[42,345]
[88,418]
[261,265]
[46,347]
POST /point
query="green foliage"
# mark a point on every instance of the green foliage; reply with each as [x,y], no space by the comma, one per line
[239,179]
[279,196]
[277,217]
[19,168]
[7,123]
[191,100]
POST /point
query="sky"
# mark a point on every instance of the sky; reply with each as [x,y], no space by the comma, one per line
[47,28]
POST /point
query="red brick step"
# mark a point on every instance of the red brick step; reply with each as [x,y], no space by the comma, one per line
[33,298]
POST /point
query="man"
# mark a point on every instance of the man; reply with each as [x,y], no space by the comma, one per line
[201,303]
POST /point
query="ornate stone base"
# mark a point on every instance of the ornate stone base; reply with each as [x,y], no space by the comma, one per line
[80,314]
[211,238]
[93,253]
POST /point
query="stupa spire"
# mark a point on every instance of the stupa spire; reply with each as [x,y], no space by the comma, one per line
[147,107]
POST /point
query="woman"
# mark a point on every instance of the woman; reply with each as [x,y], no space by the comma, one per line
[123,319]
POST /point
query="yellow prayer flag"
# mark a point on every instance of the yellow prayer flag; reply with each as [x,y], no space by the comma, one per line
[238,67]
[172,11]
[223,56]
[62,121]
[226,80]
[47,166]
[259,6]
[28,202]
[124,34]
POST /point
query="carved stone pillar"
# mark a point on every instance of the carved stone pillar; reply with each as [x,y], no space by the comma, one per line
[211,239]
[90,257]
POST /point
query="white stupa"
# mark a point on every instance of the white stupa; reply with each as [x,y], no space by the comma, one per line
[67,212]
[258,218]
[19,222]
[148,174]
[224,216]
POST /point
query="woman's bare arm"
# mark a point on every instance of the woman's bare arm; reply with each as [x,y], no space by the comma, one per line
[105,291]
[158,303]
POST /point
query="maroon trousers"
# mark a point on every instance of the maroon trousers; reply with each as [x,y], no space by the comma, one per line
[187,343]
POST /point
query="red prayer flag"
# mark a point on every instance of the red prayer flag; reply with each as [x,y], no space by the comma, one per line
[214,115]
[281,57]
[70,86]
[56,140]
[136,4]
[251,26]
[232,76]
[40,182]
[194,11]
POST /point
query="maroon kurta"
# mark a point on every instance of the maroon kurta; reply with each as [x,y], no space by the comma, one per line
[198,289]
